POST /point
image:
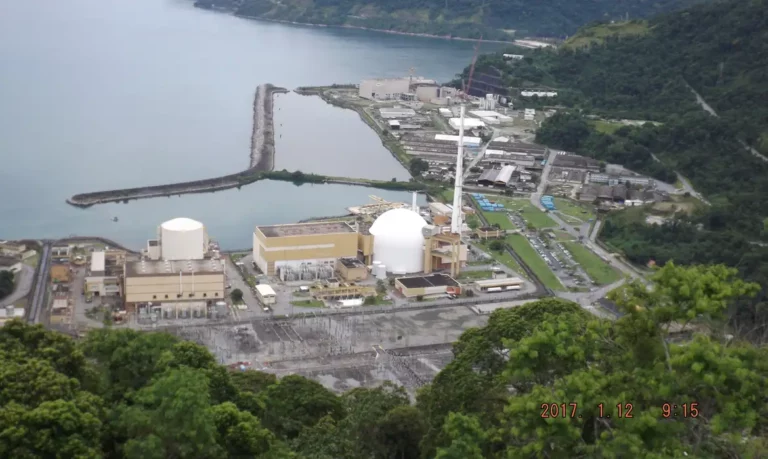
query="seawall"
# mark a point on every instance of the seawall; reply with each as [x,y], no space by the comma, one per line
[261,160]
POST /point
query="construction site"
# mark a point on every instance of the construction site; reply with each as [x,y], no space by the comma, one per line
[343,351]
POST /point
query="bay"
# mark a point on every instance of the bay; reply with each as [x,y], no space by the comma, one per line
[102,94]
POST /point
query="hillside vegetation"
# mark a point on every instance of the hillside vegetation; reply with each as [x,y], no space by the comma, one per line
[530,383]
[721,50]
[494,19]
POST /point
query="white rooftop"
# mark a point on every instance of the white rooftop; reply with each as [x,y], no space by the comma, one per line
[265,290]
[468,123]
[182,224]
[97,261]
[489,114]
[454,138]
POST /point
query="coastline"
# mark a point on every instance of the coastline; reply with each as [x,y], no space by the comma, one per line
[349,26]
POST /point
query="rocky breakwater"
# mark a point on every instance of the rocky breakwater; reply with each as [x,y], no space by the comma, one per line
[261,160]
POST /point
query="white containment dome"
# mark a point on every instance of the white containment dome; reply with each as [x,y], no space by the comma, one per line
[398,242]
[183,239]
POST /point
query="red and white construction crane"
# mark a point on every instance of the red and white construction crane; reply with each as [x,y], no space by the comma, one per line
[456,221]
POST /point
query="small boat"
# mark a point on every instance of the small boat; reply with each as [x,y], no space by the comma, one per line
[114,219]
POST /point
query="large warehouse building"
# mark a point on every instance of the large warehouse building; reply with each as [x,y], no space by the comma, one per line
[303,246]
[176,288]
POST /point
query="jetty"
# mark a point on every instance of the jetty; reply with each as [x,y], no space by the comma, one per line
[262,159]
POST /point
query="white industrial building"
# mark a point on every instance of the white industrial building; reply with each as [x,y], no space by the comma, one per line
[491,117]
[529,114]
[538,93]
[266,294]
[469,123]
[179,239]
[398,241]
[468,141]
[396,112]
[446,112]
[514,57]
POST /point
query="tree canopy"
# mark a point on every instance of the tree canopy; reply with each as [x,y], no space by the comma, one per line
[493,19]
[539,380]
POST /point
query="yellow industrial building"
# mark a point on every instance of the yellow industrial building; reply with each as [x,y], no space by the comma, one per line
[174,286]
[318,245]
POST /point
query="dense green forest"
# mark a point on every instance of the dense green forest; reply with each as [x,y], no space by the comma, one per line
[493,19]
[531,383]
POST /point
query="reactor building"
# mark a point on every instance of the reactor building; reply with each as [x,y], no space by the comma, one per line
[179,239]
[177,276]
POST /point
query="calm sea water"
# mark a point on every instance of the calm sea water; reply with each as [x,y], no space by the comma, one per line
[99,94]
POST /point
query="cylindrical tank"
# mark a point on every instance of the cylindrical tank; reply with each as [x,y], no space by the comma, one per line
[381,272]
[398,241]
[182,239]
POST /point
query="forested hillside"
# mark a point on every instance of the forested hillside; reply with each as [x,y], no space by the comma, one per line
[642,71]
[494,19]
[541,380]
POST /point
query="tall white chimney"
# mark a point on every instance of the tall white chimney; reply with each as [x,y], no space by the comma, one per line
[456,223]
[415,205]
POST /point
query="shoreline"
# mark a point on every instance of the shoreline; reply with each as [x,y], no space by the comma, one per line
[349,26]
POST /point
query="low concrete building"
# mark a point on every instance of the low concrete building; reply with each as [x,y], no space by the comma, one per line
[432,285]
[9,313]
[11,264]
[351,269]
[61,252]
[396,112]
[11,249]
[509,283]
[102,286]
[266,294]
[174,286]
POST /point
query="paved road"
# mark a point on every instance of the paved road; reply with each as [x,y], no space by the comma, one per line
[41,287]
[23,286]
[688,188]
[595,230]
[591,245]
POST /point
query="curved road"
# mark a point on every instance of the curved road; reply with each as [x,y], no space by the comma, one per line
[25,277]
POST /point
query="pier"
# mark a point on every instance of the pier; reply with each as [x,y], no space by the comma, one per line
[262,158]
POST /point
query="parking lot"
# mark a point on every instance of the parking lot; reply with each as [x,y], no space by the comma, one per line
[560,261]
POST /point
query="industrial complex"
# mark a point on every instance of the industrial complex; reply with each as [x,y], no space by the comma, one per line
[381,292]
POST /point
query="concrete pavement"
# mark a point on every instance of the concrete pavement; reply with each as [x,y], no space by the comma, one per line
[23,286]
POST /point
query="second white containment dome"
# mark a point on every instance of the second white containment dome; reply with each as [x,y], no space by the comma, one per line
[398,242]
[183,239]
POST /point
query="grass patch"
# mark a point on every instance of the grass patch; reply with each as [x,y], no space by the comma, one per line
[531,214]
[523,248]
[596,35]
[574,210]
[504,258]
[499,218]
[484,274]
[600,271]
[447,195]
[32,261]
[606,127]
[308,303]
[378,300]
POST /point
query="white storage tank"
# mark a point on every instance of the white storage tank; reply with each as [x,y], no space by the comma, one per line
[183,239]
[381,272]
[398,242]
